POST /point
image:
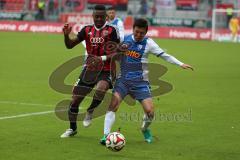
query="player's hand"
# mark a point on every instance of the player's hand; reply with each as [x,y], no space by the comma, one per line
[187,66]
[94,62]
[67,29]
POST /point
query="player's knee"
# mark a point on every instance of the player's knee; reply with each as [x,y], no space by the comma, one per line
[99,95]
[102,86]
[81,91]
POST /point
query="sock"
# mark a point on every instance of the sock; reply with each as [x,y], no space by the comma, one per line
[72,114]
[147,120]
[109,120]
[73,126]
[95,103]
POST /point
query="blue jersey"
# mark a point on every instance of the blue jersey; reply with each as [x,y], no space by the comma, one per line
[134,64]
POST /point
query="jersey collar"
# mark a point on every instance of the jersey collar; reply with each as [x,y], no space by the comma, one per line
[101,27]
[135,40]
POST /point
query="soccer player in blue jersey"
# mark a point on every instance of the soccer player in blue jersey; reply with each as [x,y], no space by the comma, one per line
[133,78]
[112,19]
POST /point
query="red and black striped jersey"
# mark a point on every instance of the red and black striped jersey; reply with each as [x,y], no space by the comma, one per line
[97,38]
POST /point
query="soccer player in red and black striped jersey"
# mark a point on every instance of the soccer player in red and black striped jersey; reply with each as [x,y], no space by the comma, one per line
[98,68]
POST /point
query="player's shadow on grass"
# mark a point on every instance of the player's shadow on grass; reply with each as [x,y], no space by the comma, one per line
[57,78]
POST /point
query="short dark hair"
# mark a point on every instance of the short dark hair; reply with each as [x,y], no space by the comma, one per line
[141,23]
[100,7]
[111,8]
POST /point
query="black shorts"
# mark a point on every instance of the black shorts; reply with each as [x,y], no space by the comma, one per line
[91,78]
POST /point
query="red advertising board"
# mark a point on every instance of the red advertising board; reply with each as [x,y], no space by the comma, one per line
[156,32]
[22,26]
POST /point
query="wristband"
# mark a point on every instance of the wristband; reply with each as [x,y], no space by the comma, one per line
[104,58]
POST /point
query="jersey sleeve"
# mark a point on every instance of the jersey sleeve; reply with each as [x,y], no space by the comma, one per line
[115,35]
[156,50]
[81,34]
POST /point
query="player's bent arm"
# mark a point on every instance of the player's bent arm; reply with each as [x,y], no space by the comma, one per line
[70,42]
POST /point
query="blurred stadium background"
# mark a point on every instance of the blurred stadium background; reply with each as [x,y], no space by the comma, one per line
[190,19]
[198,120]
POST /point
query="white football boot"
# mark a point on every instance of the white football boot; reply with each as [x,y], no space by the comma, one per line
[68,133]
[88,119]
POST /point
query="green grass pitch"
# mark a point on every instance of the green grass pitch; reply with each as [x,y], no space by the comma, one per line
[209,96]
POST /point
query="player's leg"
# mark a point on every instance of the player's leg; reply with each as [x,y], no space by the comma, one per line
[101,89]
[119,92]
[104,82]
[147,118]
[80,90]
[110,115]
[141,92]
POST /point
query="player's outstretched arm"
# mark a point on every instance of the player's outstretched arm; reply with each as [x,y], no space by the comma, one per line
[69,42]
[173,60]
[156,50]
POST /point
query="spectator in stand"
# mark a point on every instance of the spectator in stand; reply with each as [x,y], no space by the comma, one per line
[229,15]
[2,4]
[41,8]
[51,4]
[144,7]
[154,9]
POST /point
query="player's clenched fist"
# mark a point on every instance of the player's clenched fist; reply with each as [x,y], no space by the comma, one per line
[67,29]
[94,62]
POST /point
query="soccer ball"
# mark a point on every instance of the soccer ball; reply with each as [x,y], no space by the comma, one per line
[115,141]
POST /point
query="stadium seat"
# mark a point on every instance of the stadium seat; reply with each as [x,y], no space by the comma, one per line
[14,5]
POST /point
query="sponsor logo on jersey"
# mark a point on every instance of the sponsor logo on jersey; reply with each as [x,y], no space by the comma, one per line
[133,54]
[105,33]
[97,40]
[140,47]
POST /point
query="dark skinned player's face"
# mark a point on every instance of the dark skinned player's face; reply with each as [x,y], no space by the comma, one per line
[99,18]
[139,33]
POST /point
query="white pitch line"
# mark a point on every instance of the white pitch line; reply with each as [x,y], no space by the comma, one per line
[26,104]
[26,115]
[29,114]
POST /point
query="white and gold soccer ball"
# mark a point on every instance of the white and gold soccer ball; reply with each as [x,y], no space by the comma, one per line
[115,141]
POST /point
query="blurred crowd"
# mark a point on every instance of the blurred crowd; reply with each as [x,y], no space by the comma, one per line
[190,13]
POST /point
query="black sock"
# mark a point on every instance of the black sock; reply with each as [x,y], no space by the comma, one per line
[72,114]
[95,103]
[73,126]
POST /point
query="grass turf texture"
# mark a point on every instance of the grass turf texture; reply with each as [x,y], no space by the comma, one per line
[211,92]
